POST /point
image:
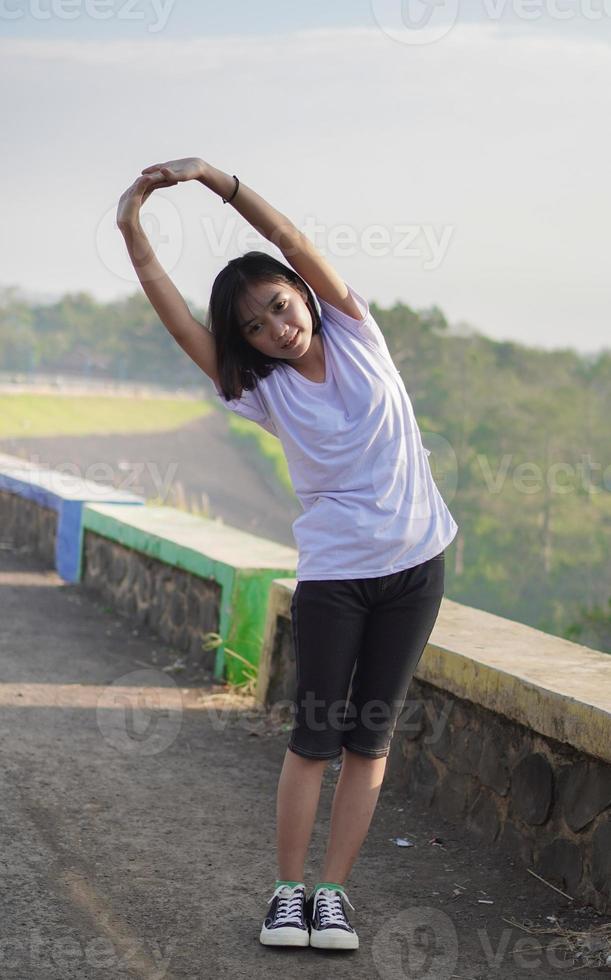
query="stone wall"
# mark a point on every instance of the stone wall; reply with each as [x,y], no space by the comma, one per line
[178,606]
[547,803]
[25,524]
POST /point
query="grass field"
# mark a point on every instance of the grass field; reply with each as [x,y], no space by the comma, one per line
[74,415]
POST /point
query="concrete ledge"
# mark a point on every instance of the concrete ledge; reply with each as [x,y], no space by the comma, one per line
[64,494]
[558,688]
[553,686]
[241,563]
[276,678]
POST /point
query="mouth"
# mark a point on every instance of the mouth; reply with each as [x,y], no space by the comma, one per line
[290,343]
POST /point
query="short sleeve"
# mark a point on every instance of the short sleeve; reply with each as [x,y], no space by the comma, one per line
[250,405]
[366,329]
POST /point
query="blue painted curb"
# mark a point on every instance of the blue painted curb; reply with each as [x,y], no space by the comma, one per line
[44,488]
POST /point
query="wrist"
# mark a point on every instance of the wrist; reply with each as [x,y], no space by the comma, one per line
[218,181]
[134,235]
[204,172]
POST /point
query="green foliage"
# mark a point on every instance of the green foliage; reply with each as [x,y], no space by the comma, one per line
[123,340]
[593,628]
[250,672]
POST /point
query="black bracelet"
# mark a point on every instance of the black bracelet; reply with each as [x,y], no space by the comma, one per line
[230,199]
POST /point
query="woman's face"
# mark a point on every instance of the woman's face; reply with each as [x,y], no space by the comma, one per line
[273,313]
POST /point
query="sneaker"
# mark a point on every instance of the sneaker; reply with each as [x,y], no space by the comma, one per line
[329,925]
[285,923]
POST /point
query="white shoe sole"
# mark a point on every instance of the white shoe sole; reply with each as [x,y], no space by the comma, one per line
[284,936]
[333,939]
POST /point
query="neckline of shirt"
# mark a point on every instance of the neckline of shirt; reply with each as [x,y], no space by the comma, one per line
[308,381]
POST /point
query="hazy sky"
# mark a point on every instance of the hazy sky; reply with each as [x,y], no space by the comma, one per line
[463,164]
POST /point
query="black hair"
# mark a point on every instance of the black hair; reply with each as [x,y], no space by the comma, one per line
[240,365]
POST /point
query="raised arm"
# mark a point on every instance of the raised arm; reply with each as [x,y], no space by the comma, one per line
[195,339]
[296,247]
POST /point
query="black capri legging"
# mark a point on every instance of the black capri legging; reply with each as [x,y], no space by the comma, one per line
[357,644]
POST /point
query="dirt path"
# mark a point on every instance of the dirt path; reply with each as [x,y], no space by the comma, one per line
[139,842]
[199,458]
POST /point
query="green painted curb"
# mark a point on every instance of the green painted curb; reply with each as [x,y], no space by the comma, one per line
[244,589]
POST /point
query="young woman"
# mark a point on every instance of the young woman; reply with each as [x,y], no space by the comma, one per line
[371,539]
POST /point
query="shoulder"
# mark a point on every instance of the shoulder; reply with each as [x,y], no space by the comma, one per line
[364,330]
[354,308]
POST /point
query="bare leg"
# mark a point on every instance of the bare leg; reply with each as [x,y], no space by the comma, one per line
[354,802]
[297,803]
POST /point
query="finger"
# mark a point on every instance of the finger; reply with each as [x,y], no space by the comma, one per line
[154,166]
[170,178]
[151,178]
[154,186]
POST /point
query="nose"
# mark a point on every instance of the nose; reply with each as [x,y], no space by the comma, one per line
[282,331]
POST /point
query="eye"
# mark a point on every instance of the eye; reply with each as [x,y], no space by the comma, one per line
[279,306]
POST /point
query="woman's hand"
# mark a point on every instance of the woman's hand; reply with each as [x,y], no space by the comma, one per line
[133,198]
[189,168]
[151,179]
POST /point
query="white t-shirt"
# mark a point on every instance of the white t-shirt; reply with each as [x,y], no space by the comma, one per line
[355,456]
